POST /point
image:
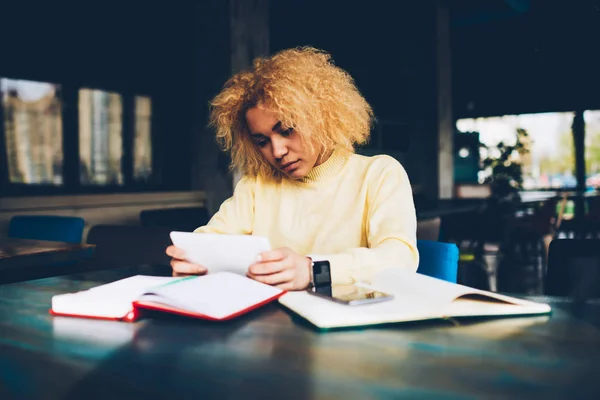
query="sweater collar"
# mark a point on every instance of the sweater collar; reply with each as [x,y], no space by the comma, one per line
[328,169]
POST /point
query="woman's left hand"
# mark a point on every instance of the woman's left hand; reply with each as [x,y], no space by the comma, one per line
[282,268]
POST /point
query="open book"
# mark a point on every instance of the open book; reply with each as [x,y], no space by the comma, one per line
[218,296]
[416,298]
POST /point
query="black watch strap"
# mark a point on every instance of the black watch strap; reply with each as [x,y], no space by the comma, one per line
[321,273]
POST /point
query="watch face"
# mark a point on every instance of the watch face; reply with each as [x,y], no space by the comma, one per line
[321,273]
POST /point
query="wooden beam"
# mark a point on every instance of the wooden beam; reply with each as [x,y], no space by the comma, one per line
[579,145]
[249,38]
[445,121]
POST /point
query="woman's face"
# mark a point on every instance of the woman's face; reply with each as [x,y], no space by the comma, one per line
[281,146]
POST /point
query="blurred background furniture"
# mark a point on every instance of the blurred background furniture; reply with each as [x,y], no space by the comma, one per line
[184,219]
[134,246]
[24,259]
[574,269]
[525,248]
[429,229]
[47,227]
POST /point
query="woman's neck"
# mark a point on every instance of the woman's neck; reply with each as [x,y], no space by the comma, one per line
[323,157]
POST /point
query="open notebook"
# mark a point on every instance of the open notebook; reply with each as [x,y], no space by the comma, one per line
[416,298]
[218,296]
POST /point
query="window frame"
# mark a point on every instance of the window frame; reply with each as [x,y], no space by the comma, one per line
[557,111]
[70,142]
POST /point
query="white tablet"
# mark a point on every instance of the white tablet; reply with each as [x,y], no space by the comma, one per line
[220,252]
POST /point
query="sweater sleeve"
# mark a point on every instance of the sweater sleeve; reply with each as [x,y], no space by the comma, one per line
[391,230]
[236,214]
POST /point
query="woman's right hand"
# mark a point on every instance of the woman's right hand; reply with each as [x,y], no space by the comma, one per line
[180,265]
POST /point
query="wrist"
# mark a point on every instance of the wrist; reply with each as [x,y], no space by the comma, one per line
[309,272]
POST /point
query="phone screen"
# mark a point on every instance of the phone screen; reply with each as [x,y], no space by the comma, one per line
[351,294]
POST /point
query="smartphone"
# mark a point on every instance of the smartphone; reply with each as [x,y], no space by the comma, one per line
[352,295]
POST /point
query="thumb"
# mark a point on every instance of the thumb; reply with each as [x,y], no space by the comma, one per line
[271,255]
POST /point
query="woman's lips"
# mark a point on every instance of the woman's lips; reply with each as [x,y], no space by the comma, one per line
[290,166]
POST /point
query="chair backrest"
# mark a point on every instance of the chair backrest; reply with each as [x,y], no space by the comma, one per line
[129,245]
[184,219]
[573,268]
[47,227]
[438,259]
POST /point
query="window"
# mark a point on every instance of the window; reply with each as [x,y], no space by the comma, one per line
[142,144]
[57,138]
[32,131]
[592,147]
[551,161]
[100,137]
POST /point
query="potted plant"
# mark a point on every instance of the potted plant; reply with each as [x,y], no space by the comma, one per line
[504,167]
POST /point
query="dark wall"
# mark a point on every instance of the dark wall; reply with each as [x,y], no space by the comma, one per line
[128,46]
[537,56]
[386,46]
[389,49]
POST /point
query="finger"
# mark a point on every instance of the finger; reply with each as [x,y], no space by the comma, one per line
[286,286]
[175,252]
[272,255]
[268,268]
[178,275]
[184,267]
[275,279]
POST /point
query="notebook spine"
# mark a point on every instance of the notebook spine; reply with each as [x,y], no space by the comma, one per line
[131,316]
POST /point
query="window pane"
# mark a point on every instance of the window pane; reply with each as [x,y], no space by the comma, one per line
[142,153]
[33,131]
[100,137]
[592,147]
[551,161]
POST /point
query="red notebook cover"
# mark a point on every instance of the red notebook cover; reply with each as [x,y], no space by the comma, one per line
[212,293]
[172,310]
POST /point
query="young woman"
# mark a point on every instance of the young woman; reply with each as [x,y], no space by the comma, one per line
[291,124]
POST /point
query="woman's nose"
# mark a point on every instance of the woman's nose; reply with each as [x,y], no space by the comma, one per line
[280,148]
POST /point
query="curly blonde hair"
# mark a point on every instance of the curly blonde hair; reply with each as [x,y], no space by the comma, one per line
[307,91]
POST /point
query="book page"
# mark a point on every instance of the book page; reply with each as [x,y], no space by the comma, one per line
[432,290]
[477,305]
[220,252]
[326,313]
[112,300]
[215,295]
[407,283]
[416,297]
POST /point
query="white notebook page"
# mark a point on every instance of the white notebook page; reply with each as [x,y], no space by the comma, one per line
[220,252]
[112,300]
[215,295]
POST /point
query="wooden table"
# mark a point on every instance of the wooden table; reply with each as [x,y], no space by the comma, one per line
[271,354]
[452,207]
[22,259]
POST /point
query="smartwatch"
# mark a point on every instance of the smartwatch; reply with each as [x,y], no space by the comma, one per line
[321,274]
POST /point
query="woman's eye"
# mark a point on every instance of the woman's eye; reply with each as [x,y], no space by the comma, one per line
[261,143]
[287,132]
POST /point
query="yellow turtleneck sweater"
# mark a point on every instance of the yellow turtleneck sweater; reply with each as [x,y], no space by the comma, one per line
[356,212]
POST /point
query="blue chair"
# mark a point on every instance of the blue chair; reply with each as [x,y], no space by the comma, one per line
[47,227]
[438,260]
